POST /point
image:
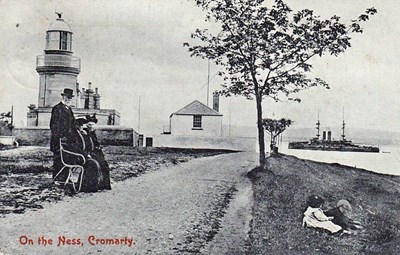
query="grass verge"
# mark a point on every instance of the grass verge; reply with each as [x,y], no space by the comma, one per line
[279,201]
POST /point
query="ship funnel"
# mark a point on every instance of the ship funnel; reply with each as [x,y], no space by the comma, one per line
[329,135]
[323,135]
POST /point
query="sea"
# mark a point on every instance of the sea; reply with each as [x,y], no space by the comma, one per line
[387,161]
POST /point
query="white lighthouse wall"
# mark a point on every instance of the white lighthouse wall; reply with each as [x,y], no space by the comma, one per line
[52,85]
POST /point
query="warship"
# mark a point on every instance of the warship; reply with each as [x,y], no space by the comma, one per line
[328,144]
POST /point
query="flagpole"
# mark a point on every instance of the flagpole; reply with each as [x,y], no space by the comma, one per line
[12,114]
[208,82]
[139,115]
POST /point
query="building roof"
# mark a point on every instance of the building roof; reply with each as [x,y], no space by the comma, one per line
[59,25]
[197,108]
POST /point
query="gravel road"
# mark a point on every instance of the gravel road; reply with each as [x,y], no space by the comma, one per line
[177,210]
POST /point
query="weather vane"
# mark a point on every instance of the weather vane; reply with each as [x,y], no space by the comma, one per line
[59,14]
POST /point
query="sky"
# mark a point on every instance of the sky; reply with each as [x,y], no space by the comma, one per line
[134,50]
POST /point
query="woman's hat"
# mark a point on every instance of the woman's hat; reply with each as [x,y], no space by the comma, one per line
[80,121]
[68,93]
[92,118]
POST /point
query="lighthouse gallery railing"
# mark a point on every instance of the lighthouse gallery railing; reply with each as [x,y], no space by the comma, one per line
[58,60]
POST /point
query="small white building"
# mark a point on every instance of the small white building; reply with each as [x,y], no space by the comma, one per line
[200,127]
[195,119]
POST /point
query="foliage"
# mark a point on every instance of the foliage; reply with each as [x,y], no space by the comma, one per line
[5,115]
[6,120]
[266,51]
[275,128]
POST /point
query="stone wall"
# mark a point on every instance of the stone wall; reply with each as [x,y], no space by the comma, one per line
[108,135]
[7,140]
[37,136]
[117,135]
[225,143]
[41,117]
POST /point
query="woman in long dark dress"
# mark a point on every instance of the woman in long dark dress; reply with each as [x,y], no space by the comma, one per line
[96,152]
[80,142]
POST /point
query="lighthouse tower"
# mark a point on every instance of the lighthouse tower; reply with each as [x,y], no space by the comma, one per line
[57,68]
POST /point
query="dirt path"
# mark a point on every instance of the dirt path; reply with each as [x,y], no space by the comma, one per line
[232,238]
[175,210]
[26,180]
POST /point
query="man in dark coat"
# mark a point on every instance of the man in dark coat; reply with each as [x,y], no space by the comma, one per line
[62,123]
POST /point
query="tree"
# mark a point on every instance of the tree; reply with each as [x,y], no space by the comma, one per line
[266,51]
[6,120]
[275,128]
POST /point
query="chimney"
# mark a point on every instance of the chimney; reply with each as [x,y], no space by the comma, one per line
[96,98]
[216,101]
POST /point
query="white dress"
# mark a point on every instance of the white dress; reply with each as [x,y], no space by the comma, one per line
[315,218]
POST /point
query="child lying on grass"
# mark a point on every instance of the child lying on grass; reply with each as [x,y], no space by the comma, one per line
[314,217]
[338,213]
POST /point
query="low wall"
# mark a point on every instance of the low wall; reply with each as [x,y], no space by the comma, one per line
[108,135]
[37,136]
[117,135]
[7,140]
[224,143]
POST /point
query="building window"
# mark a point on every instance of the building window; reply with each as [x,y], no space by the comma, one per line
[197,122]
[69,41]
[63,40]
[53,40]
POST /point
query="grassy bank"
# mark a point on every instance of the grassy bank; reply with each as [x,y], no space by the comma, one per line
[279,201]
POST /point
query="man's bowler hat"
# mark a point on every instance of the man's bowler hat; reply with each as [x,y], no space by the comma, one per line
[68,93]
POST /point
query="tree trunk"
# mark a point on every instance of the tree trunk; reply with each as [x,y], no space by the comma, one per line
[261,142]
[271,145]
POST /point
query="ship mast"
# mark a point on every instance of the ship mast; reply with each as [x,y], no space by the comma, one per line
[318,125]
[343,126]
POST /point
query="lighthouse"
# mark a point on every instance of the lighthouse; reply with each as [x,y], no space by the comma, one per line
[58,68]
